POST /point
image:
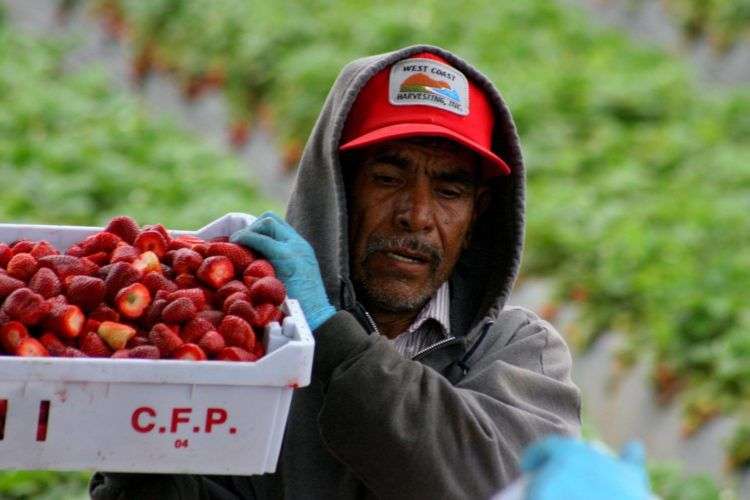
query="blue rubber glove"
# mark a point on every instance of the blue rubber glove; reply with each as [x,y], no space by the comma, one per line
[564,468]
[294,261]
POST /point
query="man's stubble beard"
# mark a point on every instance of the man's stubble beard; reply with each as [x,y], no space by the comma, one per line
[373,293]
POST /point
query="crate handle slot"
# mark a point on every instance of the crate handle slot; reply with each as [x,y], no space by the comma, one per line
[3,413]
[41,428]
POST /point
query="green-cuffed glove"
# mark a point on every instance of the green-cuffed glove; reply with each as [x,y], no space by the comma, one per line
[563,468]
[294,261]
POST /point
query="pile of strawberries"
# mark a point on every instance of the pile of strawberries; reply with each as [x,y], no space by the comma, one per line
[130,292]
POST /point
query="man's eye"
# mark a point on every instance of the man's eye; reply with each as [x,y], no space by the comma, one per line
[449,193]
[387,180]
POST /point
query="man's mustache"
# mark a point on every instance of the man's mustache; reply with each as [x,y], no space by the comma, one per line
[386,243]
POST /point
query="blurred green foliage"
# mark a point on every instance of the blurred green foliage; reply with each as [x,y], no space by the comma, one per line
[43,485]
[73,151]
[672,483]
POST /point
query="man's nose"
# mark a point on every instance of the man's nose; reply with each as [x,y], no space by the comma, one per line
[415,211]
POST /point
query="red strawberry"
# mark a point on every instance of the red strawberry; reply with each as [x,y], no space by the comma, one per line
[264,314]
[22,246]
[11,334]
[189,352]
[237,332]
[234,298]
[186,281]
[5,254]
[8,285]
[74,251]
[72,352]
[99,258]
[22,266]
[147,262]
[137,341]
[210,295]
[259,268]
[121,275]
[93,345]
[31,347]
[104,313]
[164,338]
[240,256]
[124,227]
[100,242]
[133,300]
[124,253]
[228,289]
[66,320]
[259,350]
[145,352]
[194,294]
[167,271]
[216,271]
[186,241]
[212,342]
[219,239]
[53,344]
[162,294]
[244,310]
[185,260]
[156,281]
[91,325]
[212,316]
[42,249]
[121,354]
[267,290]
[235,354]
[153,313]
[116,335]
[57,300]
[46,283]
[26,306]
[67,265]
[151,241]
[160,229]
[195,329]
[85,291]
[179,310]
[201,248]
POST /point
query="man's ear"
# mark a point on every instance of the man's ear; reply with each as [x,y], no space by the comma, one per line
[482,201]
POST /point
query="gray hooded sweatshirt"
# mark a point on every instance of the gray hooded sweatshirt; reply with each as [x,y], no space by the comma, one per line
[450,422]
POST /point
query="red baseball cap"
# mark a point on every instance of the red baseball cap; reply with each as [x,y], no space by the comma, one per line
[423,96]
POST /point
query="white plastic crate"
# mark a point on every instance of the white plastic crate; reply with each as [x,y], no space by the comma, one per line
[132,415]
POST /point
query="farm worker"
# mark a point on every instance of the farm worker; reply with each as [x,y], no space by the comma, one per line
[402,243]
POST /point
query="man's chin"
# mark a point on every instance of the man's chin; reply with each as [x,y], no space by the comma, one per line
[394,297]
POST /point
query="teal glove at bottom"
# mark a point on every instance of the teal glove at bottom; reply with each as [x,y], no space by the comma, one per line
[294,261]
[562,468]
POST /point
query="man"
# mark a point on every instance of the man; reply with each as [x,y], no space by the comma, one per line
[404,239]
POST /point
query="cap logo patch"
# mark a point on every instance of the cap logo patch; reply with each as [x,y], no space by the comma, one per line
[425,82]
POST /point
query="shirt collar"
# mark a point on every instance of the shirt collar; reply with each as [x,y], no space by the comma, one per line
[438,309]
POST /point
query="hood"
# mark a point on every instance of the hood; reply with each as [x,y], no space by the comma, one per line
[485,273]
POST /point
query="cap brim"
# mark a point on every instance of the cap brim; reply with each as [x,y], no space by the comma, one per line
[405,130]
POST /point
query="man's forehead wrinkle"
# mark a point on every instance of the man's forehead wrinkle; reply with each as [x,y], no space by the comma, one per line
[442,166]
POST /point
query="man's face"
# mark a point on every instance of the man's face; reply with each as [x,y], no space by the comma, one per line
[412,206]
